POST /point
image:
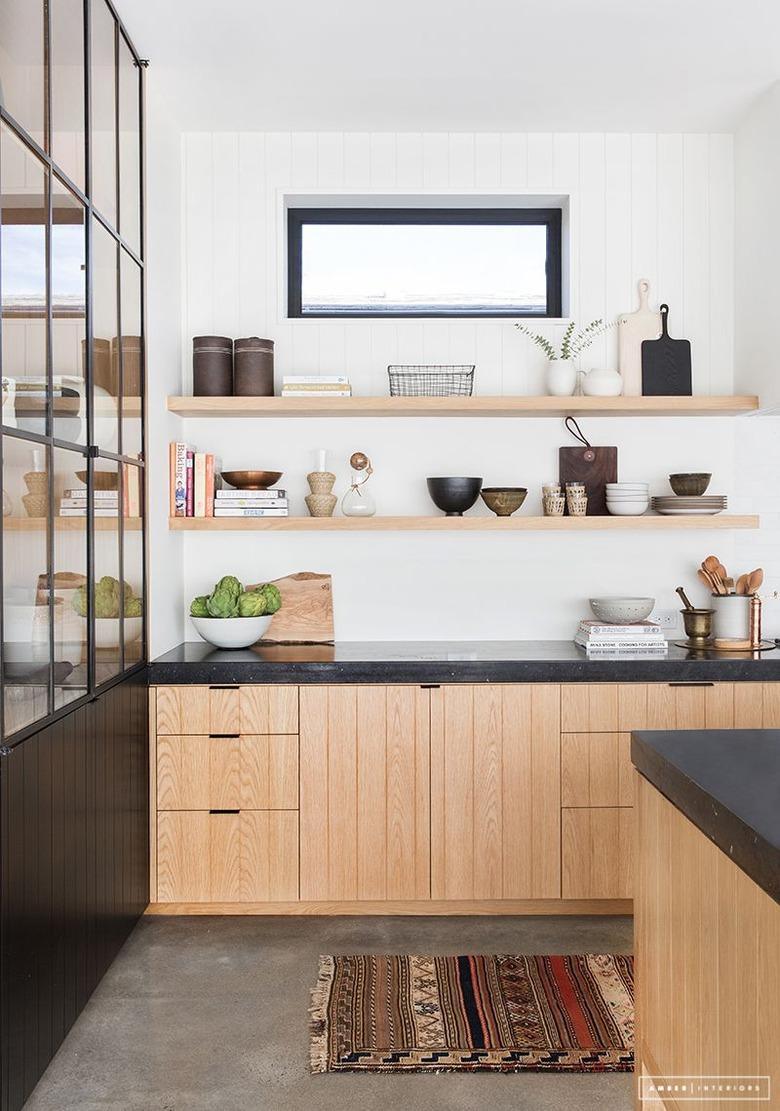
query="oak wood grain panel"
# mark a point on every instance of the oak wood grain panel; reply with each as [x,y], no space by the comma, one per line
[152,728]
[364,793]
[596,769]
[417,908]
[182,710]
[223,710]
[589,707]
[183,856]
[268,861]
[224,857]
[248,773]
[597,852]
[724,521]
[268,772]
[268,709]
[184,773]
[495,792]
[707,945]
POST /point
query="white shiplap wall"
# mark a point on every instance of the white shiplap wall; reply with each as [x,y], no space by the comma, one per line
[645,205]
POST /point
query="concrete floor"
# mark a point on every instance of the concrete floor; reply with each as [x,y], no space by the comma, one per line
[200,1014]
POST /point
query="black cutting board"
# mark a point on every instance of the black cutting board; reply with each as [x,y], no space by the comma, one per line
[666,364]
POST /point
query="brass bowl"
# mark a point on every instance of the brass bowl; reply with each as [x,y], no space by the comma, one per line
[689,485]
[251,480]
[101,480]
[503,500]
[698,624]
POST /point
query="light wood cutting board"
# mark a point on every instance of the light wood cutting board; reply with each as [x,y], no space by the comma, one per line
[306,616]
[633,329]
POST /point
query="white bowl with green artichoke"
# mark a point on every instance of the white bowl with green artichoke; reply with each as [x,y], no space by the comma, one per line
[231,617]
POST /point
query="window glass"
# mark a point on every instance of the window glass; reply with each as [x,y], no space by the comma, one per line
[21,64]
[105,370]
[26,635]
[103,104]
[66,30]
[108,581]
[23,207]
[131,349]
[68,326]
[129,147]
[133,540]
[69,582]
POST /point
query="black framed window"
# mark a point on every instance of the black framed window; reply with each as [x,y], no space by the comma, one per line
[72,552]
[424,262]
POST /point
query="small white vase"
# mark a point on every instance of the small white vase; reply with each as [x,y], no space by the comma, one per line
[561,377]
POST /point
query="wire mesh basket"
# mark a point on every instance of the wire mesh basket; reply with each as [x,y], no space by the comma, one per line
[431,381]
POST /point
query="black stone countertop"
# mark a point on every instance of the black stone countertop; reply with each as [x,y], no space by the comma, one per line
[727,782]
[493,661]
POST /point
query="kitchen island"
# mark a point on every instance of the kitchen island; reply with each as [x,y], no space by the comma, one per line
[415,778]
[707,909]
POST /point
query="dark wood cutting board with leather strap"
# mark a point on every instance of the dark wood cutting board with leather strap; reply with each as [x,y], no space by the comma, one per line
[595,466]
[666,364]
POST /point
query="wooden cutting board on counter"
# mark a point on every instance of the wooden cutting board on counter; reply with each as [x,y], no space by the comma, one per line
[633,329]
[306,616]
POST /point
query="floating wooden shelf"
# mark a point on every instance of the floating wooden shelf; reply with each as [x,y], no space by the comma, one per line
[460,406]
[460,524]
[69,524]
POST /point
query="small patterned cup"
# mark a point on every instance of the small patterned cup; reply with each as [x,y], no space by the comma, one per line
[553,505]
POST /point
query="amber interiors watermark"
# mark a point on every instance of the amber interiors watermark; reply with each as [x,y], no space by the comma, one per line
[696,1088]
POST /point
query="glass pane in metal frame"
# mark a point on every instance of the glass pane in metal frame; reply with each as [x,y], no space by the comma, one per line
[105,363]
[129,147]
[103,108]
[69,581]
[68,325]
[131,348]
[133,562]
[23,218]
[22,88]
[66,75]
[109,602]
[26,656]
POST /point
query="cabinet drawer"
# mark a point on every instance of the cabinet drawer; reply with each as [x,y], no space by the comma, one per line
[198,710]
[212,773]
[596,769]
[597,852]
[623,707]
[233,857]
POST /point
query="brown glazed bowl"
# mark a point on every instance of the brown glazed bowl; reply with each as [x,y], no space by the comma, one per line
[101,480]
[503,500]
[251,480]
[689,485]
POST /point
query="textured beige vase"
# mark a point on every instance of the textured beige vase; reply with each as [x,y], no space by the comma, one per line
[321,502]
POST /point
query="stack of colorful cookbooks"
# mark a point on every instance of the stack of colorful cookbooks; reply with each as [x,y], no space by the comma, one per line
[643,640]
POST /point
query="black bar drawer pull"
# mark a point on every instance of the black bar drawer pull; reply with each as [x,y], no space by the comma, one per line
[223,736]
[224,811]
[229,687]
[683,684]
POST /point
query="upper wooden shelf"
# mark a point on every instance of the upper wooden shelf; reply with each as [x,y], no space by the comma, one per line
[69,524]
[460,524]
[460,406]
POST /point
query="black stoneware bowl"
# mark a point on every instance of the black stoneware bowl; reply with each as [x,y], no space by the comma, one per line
[453,496]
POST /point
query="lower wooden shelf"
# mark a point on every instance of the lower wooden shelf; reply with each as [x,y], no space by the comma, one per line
[461,524]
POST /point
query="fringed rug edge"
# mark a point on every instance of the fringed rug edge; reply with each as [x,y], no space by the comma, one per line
[318,1015]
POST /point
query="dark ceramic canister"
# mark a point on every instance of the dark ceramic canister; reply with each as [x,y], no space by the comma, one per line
[254,374]
[212,366]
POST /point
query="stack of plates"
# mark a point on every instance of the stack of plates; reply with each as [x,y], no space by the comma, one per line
[674,506]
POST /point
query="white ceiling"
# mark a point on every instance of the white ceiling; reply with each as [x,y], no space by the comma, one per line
[562,65]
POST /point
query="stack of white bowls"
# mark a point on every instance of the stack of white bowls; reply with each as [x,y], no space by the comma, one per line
[628,499]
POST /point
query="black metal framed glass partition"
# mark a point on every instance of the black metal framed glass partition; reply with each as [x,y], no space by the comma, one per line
[72,544]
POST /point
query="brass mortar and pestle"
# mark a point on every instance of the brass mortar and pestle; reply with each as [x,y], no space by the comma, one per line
[697,622]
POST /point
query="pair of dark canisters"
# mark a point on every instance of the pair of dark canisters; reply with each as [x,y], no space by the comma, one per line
[220,369]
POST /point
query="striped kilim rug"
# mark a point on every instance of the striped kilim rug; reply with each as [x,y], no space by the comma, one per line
[473,1013]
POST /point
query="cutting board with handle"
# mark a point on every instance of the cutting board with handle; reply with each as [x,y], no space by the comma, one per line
[633,329]
[666,364]
[594,466]
[306,616]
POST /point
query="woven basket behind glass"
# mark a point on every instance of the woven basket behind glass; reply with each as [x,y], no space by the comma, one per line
[431,381]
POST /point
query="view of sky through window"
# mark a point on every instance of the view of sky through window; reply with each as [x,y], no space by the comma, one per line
[23,267]
[408,268]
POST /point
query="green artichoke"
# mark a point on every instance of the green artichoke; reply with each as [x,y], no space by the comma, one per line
[199,607]
[107,597]
[273,599]
[133,607]
[79,601]
[223,601]
[251,603]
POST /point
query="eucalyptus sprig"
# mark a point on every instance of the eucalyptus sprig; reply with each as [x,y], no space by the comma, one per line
[573,342]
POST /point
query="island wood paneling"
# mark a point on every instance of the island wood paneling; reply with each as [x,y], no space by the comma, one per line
[495,792]
[707,944]
[364,793]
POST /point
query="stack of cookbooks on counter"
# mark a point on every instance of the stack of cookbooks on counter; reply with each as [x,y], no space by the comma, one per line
[644,640]
[316,385]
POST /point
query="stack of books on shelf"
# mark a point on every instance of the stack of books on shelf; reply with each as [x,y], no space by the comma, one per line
[251,503]
[73,502]
[643,640]
[192,482]
[316,385]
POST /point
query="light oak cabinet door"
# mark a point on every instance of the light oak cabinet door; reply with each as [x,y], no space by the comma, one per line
[228,857]
[597,852]
[495,792]
[225,711]
[596,769]
[223,773]
[623,707]
[364,793]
